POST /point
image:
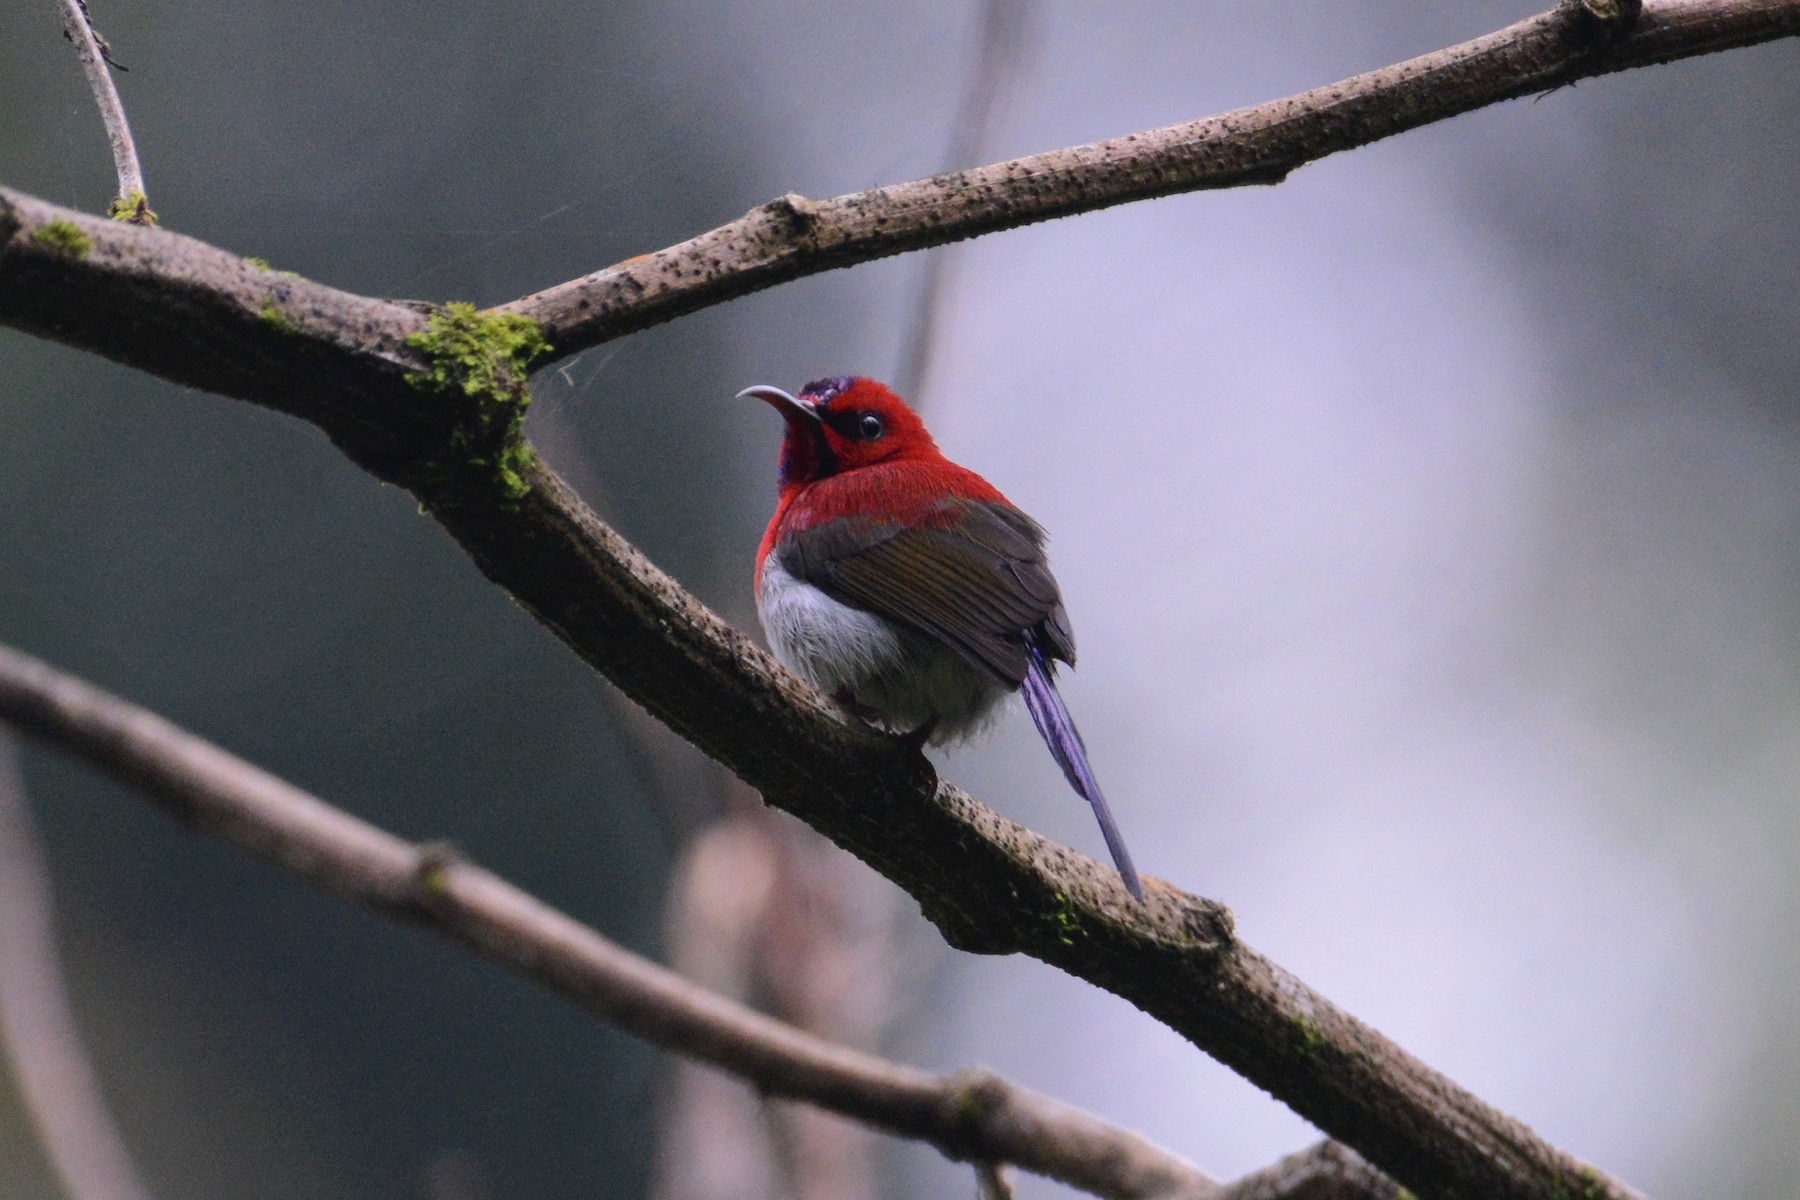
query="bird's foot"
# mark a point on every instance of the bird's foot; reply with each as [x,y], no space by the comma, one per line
[862,712]
[916,739]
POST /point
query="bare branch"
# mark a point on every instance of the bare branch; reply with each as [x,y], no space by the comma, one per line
[55,1080]
[1326,1171]
[793,236]
[976,1115]
[996,62]
[132,203]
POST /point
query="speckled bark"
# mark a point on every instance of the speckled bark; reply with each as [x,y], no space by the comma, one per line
[793,236]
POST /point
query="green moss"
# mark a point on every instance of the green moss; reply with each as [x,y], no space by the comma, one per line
[480,360]
[261,264]
[479,353]
[1311,1039]
[64,237]
[1065,920]
[275,318]
[434,880]
[134,208]
[1593,1187]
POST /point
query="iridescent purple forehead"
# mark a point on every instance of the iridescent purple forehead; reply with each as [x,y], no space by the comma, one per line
[823,391]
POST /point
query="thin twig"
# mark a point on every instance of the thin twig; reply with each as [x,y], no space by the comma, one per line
[56,1082]
[969,1116]
[1325,1171]
[132,203]
[991,73]
[993,1181]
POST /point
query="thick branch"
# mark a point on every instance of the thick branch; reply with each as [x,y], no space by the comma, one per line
[793,236]
[975,1116]
[989,885]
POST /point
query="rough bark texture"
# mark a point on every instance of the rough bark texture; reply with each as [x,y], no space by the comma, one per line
[990,885]
[794,236]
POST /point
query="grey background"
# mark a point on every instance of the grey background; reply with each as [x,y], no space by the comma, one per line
[1430,524]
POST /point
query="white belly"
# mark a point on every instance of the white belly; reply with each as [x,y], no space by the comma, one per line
[902,678]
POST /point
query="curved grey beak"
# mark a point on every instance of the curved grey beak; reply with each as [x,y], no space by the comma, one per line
[782,402]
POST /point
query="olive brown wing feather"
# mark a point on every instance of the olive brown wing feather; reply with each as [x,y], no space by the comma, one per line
[979,583]
[974,578]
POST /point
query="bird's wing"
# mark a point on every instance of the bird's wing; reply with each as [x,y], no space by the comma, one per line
[975,578]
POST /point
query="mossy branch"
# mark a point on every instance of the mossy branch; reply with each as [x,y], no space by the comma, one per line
[480,362]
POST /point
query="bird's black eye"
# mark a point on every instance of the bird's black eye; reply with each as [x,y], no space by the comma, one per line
[869,427]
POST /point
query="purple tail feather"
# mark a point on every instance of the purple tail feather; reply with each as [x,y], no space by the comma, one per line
[1059,733]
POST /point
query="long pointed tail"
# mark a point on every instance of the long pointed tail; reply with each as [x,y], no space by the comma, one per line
[1059,733]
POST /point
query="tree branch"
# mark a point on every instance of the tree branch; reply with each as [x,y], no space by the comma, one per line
[794,237]
[1325,1171]
[974,1116]
[1004,25]
[383,383]
[132,203]
[991,886]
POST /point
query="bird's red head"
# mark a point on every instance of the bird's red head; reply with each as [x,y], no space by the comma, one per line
[841,424]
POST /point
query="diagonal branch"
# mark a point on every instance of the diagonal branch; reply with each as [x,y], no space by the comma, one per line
[975,1116]
[793,236]
[1004,26]
[989,885]
[345,363]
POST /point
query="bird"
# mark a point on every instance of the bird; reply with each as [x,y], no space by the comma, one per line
[908,588]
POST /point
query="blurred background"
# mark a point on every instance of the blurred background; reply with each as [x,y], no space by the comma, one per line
[1430,523]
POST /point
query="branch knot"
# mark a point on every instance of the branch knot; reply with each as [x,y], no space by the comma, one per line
[974,1096]
[794,210]
[1605,22]
[431,875]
